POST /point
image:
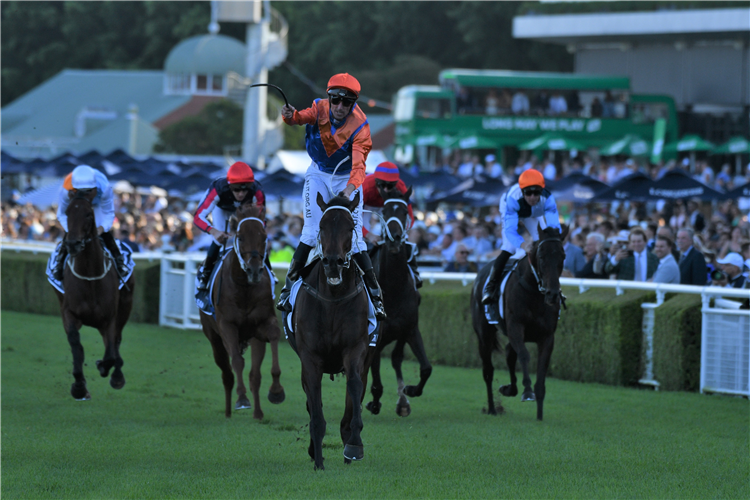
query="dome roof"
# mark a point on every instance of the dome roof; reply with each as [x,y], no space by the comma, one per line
[207,54]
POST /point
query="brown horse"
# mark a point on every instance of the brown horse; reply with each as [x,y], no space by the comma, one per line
[92,297]
[244,314]
[531,303]
[330,331]
[401,299]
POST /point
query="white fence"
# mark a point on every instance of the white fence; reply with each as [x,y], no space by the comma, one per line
[725,342]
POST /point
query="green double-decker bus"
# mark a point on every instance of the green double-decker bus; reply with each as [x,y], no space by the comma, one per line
[500,110]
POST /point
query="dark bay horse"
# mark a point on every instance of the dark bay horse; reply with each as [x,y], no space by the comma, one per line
[244,314]
[401,302]
[531,303]
[92,297]
[331,328]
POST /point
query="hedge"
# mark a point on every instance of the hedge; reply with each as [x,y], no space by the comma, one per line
[599,337]
[25,287]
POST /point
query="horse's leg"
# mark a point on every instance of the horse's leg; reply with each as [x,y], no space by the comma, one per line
[351,424]
[545,353]
[488,373]
[112,355]
[312,376]
[72,330]
[221,357]
[108,360]
[230,336]
[510,358]
[516,336]
[403,408]
[276,393]
[258,349]
[425,368]
[376,388]
[123,313]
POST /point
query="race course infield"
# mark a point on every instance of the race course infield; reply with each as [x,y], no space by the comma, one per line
[164,435]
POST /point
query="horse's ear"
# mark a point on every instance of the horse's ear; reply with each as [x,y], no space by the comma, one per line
[354,203]
[321,203]
[565,230]
[407,195]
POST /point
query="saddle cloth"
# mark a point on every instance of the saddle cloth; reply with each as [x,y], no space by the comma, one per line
[372,323]
[204,298]
[513,264]
[124,250]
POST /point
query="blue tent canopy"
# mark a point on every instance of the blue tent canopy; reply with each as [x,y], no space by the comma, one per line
[473,192]
[634,187]
[678,184]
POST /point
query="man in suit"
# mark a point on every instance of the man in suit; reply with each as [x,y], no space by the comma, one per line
[693,270]
[595,258]
[634,263]
[668,270]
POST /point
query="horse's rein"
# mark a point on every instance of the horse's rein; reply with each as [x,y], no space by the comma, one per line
[348,258]
[539,282]
[396,219]
[71,261]
[236,242]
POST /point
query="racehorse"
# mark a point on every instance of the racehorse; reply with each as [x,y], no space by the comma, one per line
[401,304]
[244,314]
[92,297]
[330,333]
[531,302]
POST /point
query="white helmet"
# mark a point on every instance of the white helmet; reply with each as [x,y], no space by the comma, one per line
[84,177]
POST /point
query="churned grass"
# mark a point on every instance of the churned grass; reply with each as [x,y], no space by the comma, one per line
[164,434]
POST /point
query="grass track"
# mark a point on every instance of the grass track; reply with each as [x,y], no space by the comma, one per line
[164,434]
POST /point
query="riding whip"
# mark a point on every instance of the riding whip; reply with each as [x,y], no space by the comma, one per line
[274,86]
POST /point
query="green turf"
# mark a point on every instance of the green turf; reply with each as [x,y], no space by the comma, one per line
[164,434]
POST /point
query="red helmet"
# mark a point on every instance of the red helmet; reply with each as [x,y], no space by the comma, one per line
[531,177]
[240,173]
[387,172]
[345,82]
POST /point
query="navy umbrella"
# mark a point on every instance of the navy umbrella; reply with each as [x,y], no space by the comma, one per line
[473,192]
[739,192]
[11,165]
[634,187]
[584,190]
[283,183]
[677,184]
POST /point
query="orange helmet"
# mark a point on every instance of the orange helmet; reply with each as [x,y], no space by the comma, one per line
[240,173]
[531,177]
[345,82]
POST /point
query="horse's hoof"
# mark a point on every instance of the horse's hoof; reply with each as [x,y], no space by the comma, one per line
[258,415]
[403,410]
[497,410]
[347,461]
[528,396]
[276,397]
[412,391]
[117,382]
[319,467]
[102,370]
[243,404]
[374,407]
[79,392]
[509,390]
[85,397]
[352,452]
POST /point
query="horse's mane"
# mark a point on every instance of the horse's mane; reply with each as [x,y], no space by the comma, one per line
[249,210]
[549,232]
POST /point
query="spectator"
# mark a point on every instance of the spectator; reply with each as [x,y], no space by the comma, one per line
[732,266]
[520,103]
[550,170]
[557,104]
[608,107]
[668,270]
[746,255]
[634,262]
[541,102]
[692,263]
[492,168]
[127,239]
[734,244]
[596,257]
[479,242]
[597,110]
[574,258]
[492,103]
[461,263]
[697,221]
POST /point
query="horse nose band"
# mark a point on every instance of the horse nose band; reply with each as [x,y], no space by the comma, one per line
[254,253]
[348,257]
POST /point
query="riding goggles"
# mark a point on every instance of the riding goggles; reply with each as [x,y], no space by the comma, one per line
[385,185]
[337,96]
[532,192]
[240,188]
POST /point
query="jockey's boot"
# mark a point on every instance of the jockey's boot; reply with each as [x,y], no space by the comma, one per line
[417,280]
[365,264]
[491,291]
[208,266]
[57,271]
[109,241]
[295,267]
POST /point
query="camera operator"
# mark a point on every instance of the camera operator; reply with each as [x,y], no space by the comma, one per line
[596,256]
[634,262]
[731,265]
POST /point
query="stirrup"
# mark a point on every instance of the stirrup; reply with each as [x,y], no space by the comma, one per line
[493,311]
[489,296]
[379,310]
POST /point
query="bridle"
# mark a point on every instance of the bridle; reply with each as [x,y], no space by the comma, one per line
[236,244]
[537,277]
[397,220]
[348,257]
[70,260]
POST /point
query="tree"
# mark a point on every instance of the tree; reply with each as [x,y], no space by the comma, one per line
[217,126]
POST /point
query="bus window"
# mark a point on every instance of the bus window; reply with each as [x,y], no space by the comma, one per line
[649,112]
[404,108]
[432,107]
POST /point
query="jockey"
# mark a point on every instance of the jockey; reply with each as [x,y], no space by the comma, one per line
[225,193]
[529,202]
[94,186]
[337,138]
[374,190]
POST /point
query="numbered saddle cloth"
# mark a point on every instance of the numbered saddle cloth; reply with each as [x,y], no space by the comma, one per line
[124,250]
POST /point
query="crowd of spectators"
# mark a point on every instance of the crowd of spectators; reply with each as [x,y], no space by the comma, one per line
[603,237]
